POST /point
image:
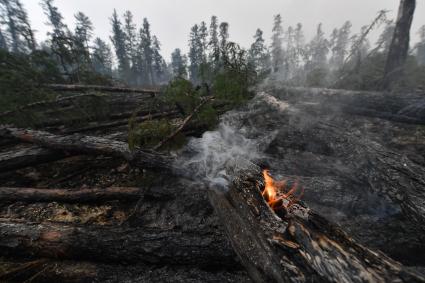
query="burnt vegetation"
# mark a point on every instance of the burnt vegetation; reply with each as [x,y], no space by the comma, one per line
[111,169]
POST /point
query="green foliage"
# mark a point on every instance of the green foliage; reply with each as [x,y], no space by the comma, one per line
[148,133]
[21,77]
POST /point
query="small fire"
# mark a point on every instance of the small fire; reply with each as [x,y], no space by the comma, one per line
[278,197]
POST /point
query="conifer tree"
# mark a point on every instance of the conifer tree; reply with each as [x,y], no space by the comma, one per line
[147,53]
[318,49]
[118,40]
[259,56]
[224,36]
[82,36]
[61,39]
[420,46]
[102,57]
[159,65]
[213,43]
[340,45]
[195,54]
[178,64]
[3,41]
[276,45]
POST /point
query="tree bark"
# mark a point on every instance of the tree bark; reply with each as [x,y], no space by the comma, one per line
[28,156]
[299,247]
[61,87]
[399,47]
[32,195]
[200,247]
[90,145]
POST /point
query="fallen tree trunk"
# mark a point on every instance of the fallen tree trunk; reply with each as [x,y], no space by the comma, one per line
[48,102]
[62,87]
[112,124]
[201,247]
[299,247]
[69,196]
[90,145]
[29,156]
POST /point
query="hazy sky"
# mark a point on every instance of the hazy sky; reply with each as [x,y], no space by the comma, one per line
[171,19]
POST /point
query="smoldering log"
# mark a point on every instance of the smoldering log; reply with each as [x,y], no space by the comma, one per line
[84,195]
[90,145]
[300,247]
[63,87]
[202,246]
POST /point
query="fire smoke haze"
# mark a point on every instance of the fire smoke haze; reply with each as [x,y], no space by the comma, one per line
[171,19]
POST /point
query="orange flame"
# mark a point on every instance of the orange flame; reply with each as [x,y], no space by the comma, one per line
[275,195]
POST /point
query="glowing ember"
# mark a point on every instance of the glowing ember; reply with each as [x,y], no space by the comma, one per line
[277,195]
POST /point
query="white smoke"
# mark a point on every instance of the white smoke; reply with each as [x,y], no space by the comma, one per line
[235,144]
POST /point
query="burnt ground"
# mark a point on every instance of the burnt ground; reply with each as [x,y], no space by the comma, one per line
[320,141]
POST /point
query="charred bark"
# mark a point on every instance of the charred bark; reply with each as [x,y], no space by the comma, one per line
[299,247]
[200,247]
[69,195]
[399,47]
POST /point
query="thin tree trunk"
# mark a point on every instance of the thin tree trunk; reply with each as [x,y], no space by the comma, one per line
[399,47]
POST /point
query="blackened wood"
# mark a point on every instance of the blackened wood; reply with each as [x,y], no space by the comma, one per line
[301,247]
[69,195]
[201,247]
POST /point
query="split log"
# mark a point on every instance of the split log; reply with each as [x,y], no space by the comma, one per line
[90,145]
[32,195]
[201,247]
[183,124]
[62,87]
[300,247]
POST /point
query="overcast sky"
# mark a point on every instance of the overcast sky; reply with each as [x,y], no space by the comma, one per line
[171,19]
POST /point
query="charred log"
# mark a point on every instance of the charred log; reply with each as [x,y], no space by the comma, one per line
[299,247]
[201,247]
[69,195]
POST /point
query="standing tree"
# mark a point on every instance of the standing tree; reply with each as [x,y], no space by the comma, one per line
[195,54]
[130,45]
[3,41]
[340,40]
[178,64]
[19,29]
[159,65]
[397,55]
[213,43]
[384,41]
[259,56]
[61,39]
[224,36]
[147,53]
[118,39]
[81,47]
[102,57]
[420,47]
[276,45]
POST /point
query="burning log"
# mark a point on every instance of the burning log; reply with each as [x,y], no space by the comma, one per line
[89,145]
[298,246]
[201,247]
[68,195]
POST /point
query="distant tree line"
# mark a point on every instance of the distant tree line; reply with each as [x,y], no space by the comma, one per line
[339,59]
